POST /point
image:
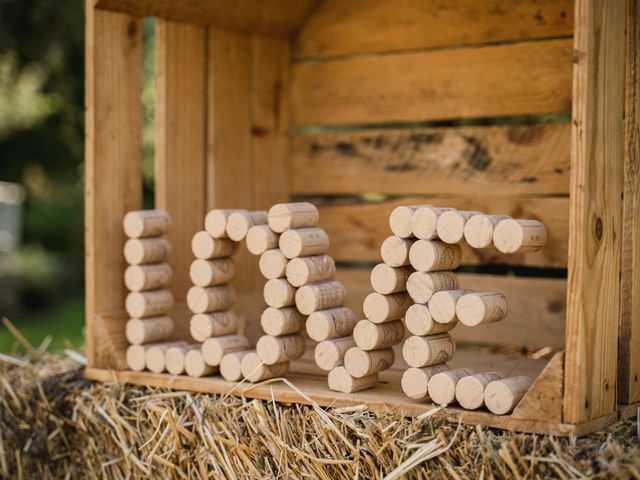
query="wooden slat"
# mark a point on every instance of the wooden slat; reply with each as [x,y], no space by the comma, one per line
[593,303]
[628,344]
[465,161]
[357,229]
[536,308]
[374,26]
[180,140]
[543,401]
[520,79]
[275,17]
[113,181]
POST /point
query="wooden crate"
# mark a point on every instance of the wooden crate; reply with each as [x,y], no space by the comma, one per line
[528,108]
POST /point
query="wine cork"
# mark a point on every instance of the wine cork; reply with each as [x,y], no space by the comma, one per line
[339,380]
[205,246]
[431,350]
[148,304]
[360,363]
[261,238]
[175,357]
[424,221]
[255,370]
[207,273]
[330,353]
[501,396]
[138,278]
[386,279]
[419,321]
[279,293]
[395,251]
[213,349]
[303,242]
[231,365]
[451,224]
[154,357]
[273,264]
[400,220]
[319,296]
[422,285]
[281,321]
[470,389]
[215,222]
[215,324]
[481,307]
[146,330]
[210,299]
[135,357]
[380,308]
[195,366]
[284,216]
[331,323]
[304,270]
[517,236]
[272,350]
[146,223]
[442,387]
[372,336]
[140,251]
[239,223]
[434,255]
[415,381]
[442,305]
[478,231]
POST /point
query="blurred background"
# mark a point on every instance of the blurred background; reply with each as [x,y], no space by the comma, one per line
[41,168]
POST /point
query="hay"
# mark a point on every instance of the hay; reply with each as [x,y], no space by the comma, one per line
[53,423]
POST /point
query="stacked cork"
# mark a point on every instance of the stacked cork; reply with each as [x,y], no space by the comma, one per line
[149,301]
[430,237]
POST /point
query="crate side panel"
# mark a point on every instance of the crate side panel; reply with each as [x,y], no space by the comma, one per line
[113,181]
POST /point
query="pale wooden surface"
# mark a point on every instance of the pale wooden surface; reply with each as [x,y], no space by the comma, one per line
[536,308]
[180,140]
[543,401]
[520,79]
[357,229]
[113,161]
[470,161]
[339,27]
[596,211]
[277,17]
[629,354]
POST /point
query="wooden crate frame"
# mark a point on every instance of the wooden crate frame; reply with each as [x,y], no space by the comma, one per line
[225,90]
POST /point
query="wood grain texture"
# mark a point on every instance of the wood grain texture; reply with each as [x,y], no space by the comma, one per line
[593,303]
[543,401]
[274,17]
[357,229]
[628,344]
[180,140]
[467,161]
[113,178]
[339,28]
[521,79]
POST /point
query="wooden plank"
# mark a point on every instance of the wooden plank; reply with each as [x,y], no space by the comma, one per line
[379,26]
[629,347]
[274,17]
[593,303]
[180,140]
[543,401]
[357,229]
[113,182]
[536,308]
[521,79]
[467,161]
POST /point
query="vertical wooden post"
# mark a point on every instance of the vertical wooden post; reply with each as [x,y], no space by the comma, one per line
[113,182]
[180,140]
[629,336]
[593,298]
